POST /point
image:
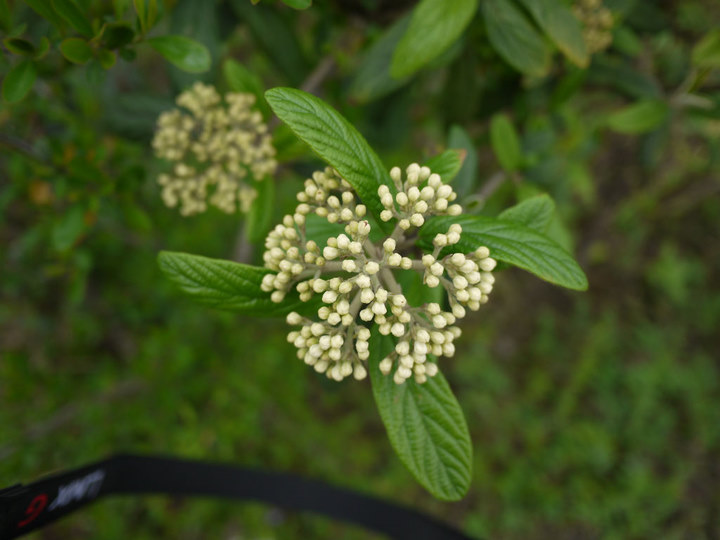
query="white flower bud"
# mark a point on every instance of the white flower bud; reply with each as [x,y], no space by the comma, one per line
[371,268]
[330,253]
[293,318]
[487,265]
[386,215]
[389,245]
[431,369]
[401,198]
[385,365]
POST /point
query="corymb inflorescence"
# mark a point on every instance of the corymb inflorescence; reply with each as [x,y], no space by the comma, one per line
[356,277]
[214,144]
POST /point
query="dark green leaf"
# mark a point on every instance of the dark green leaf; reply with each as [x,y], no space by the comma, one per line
[425,425]
[558,22]
[505,143]
[74,16]
[18,82]
[465,179]
[117,35]
[535,212]
[515,38]
[639,117]
[372,78]
[43,48]
[19,46]
[76,50]
[336,141]
[434,26]
[447,164]
[185,53]
[511,243]
[224,284]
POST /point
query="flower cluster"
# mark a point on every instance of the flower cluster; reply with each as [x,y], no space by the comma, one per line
[355,278]
[214,144]
[597,21]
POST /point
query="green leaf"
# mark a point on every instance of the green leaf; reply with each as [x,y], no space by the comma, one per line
[372,78]
[224,284]
[74,16]
[18,82]
[259,218]
[117,35]
[505,143]
[706,54]
[639,117]
[434,26]
[467,175]
[241,79]
[68,229]
[515,38]
[298,4]
[336,141]
[76,50]
[183,52]
[511,243]
[42,49]
[559,23]
[45,9]
[19,46]
[425,425]
[106,58]
[447,164]
[535,212]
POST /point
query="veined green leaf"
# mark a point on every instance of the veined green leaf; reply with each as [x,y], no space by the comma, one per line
[335,140]
[639,117]
[447,164]
[425,425]
[511,243]
[225,284]
[505,143]
[467,175]
[514,38]
[19,80]
[535,212]
[558,22]
[434,26]
[185,53]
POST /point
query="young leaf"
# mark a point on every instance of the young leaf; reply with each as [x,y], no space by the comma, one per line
[558,22]
[514,38]
[372,78]
[639,117]
[67,230]
[447,164]
[512,243]
[535,212]
[74,16]
[335,140]
[425,425]
[19,80]
[505,143]
[434,26]
[467,175]
[76,50]
[185,53]
[224,284]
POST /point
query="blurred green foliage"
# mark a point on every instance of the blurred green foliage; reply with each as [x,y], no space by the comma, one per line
[592,415]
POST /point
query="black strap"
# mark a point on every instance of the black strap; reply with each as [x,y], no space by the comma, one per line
[27,508]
